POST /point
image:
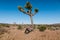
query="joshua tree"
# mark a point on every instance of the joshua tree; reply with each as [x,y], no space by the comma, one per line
[28,6]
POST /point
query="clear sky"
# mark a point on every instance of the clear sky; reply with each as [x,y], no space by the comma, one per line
[49,11]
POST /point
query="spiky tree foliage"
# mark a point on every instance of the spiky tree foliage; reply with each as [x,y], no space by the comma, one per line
[36,10]
[28,6]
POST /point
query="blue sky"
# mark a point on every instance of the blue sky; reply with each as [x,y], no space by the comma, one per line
[49,11]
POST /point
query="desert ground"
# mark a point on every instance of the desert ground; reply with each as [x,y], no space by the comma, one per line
[15,34]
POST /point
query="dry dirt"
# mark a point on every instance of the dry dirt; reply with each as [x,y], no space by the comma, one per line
[15,34]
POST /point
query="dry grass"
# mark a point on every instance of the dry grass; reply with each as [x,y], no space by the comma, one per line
[15,34]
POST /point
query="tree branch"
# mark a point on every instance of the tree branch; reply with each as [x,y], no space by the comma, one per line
[26,13]
[33,14]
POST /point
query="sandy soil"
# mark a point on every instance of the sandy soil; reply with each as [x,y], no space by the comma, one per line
[15,34]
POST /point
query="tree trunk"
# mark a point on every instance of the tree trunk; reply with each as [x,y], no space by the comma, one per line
[31,20]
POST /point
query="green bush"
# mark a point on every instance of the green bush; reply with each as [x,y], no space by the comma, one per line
[42,28]
[19,27]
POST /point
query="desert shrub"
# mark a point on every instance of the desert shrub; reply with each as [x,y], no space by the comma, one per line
[7,25]
[42,28]
[38,25]
[19,27]
[34,27]
[57,28]
[52,28]
[2,31]
[3,25]
[49,28]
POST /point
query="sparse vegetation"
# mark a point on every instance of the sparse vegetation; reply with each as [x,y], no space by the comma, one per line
[19,27]
[41,28]
[52,28]
[8,26]
[2,31]
[4,25]
[13,34]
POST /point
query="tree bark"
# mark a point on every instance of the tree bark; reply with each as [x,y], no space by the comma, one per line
[31,20]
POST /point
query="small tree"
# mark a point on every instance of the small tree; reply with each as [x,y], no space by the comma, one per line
[28,6]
